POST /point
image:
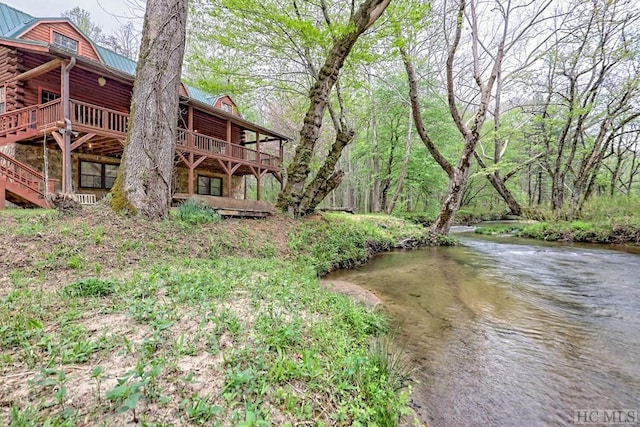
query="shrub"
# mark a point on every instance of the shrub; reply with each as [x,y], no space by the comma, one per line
[194,212]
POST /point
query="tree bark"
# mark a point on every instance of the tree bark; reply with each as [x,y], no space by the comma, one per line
[143,185]
[500,186]
[327,178]
[291,196]
[458,174]
[403,170]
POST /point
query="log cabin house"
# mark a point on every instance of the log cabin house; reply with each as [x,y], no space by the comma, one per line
[64,110]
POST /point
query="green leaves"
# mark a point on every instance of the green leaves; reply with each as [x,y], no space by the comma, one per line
[90,287]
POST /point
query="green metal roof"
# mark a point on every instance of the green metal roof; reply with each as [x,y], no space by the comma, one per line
[12,20]
[200,95]
[115,60]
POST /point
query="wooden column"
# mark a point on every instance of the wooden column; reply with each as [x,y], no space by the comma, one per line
[229,139]
[258,179]
[190,126]
[281,150]
[191,177]
[3,190]
[190,144]
[66,152]
[258,150]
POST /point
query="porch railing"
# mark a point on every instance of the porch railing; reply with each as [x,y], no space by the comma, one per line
[50,113]
[210,145]
[98,118]
[22,174]
[39,117]
[35,117]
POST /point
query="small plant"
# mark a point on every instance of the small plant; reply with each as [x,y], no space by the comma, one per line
[98,233]
[199,410]
[391,362]
[133,385]
[191,211]
[56,379]
[96,374]
[90,287]
[75,262]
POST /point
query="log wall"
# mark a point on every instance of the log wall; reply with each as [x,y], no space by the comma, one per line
[83,86]
[12,64]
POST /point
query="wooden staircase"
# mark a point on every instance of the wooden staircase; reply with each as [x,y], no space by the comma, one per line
[20,184]
[18,125]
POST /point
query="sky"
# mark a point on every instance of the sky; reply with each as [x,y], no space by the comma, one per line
[109,14]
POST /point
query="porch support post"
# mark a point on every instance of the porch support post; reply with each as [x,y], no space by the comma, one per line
[190,133]
[66,152]
[3,189]
[281,150]
[258,156]
[191,168]
[192,164]
[229,175]
[258,180]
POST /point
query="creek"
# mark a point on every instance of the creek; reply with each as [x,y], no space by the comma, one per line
[506,331]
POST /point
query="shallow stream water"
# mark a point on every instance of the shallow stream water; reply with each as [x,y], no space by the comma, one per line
[514,332]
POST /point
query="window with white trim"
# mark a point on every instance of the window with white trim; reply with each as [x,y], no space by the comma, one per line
[3,100]
[64,42]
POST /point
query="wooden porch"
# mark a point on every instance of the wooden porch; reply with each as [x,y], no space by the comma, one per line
[231,207]
[101,131]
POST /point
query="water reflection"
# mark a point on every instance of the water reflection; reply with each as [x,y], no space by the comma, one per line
[508,333]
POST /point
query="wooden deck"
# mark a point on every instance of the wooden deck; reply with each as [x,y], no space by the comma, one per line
[104,131]
[226,206]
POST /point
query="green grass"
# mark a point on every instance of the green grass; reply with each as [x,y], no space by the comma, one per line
[499,229]
[341,241]
[193,212]
[602,220]
[227,331]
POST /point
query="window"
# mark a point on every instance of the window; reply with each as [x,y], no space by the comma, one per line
[97,175]
[2,100]
[227,107]
[65,42]
[47,96]
[209,186]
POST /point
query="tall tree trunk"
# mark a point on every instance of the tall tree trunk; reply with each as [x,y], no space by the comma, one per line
[327,177]
[501,187]
[376,197]
[403,170]
[143,185]
[459,174]
[290,198]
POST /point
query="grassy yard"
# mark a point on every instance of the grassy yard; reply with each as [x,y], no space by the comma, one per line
[110,320]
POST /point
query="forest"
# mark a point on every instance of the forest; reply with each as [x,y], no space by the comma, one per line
[508,106]
[527,108]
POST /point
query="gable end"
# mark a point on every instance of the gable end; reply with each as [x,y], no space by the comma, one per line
[61,34]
